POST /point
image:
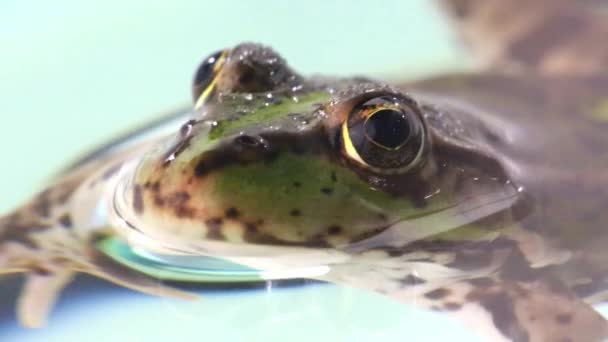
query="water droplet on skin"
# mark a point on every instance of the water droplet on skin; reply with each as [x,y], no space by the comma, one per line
[436,192]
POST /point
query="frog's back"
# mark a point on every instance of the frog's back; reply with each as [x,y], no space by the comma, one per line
[550,133]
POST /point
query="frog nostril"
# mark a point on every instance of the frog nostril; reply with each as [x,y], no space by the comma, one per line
[247,148]
[248,141]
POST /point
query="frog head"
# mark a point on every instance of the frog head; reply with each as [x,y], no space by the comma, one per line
[270,158]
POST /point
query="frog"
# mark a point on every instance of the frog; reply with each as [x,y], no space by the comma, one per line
[476,194]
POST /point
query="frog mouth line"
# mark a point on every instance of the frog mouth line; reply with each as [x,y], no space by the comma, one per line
[407,231]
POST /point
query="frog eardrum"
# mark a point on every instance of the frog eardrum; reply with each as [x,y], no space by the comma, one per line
[385,133]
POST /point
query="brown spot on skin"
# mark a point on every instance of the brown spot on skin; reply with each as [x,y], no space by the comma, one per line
[214,229]
[184,212]
[297,184]
[138,199]
[178,199]
[232,213]
[334,230]
[482,282]
[295,213]
[251,227]
[451,306]
[327,191]
[65,220]
[411,280]
[159,201]
[501,308]
[334,178]
[437,293]
[563,318]
[153,186]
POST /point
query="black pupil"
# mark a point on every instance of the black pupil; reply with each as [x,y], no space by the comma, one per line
[388,128]
[205,71]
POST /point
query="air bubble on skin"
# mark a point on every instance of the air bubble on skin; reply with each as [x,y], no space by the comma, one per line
[269,95]
[248,97]
[295,99]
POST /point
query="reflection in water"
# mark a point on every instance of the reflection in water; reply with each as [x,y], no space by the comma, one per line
[295,312]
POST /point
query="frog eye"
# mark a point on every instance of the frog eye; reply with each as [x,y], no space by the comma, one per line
[206,75]
[385,134]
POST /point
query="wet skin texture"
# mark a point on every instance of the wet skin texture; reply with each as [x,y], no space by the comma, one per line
[478,195]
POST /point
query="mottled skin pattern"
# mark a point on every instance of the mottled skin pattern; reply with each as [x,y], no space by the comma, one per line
[483,197]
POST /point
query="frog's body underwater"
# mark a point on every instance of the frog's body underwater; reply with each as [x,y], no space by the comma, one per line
[482,195]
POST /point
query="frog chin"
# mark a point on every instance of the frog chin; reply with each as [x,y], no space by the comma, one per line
[276,262]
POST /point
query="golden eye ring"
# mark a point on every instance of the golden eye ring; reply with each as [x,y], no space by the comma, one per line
[385,133]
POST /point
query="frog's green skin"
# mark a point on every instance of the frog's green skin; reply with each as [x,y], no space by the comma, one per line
[499,219]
